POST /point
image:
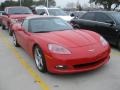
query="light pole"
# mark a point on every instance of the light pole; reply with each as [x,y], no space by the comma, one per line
[20,2]
[47,2]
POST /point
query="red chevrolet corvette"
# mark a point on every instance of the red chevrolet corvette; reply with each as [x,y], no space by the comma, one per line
[57,48]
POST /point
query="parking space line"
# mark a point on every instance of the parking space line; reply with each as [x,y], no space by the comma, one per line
[115,53]
[31,72]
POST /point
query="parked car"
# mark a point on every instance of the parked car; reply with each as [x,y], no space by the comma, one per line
[1,12]
[41,10]
[106,23]
[58,48]
[12,14]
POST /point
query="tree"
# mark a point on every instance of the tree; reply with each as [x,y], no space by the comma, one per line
[8,3]
[107,4]
[71,5]
[16,3]
[27,3]
[78,6]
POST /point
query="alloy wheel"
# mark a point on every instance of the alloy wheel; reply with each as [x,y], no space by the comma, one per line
[38,58]
[15,40]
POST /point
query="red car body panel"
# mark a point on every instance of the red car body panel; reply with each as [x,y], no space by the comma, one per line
[79,42]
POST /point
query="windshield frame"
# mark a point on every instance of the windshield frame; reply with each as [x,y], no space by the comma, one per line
[67,24]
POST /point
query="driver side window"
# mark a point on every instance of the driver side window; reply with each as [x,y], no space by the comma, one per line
[101,17]
[25,25]
[88,16]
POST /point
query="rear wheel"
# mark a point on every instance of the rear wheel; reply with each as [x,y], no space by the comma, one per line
[39,59]
[10,31]
[3,27]
[119,44]
[15,41]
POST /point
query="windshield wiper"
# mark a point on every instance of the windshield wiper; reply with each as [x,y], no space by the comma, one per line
[41,31]
[17,13]
[26,13]
[21,13]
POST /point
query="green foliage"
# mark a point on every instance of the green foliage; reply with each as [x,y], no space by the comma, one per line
[27,3]
[106,3]
[8,3]
[79,8]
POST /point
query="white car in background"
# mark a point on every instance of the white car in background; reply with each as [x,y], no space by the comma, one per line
[53,12]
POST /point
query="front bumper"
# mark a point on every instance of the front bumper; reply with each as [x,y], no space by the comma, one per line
[78,62]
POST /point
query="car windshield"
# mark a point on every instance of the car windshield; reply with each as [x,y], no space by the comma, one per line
[57,12]
[48,25]
[116,16]
[19,10]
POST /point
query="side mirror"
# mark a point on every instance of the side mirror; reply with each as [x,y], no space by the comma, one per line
[4,13]
[43,13]
[72,15]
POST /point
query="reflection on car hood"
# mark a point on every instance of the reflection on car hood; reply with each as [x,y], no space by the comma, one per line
[66,18]
[68,38]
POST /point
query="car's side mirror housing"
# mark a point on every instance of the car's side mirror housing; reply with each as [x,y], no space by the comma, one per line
[72,15]
[4,13]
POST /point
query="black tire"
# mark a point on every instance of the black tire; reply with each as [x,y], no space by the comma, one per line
[10,31]
[41,65]
[15,41]
[3,27]
[118,44]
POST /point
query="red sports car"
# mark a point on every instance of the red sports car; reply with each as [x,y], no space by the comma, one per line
[14,13]
[58,48]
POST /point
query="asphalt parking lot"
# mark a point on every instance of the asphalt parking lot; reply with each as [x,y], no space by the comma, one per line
[18,72]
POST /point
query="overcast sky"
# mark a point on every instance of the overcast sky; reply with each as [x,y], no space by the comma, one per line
[62,3]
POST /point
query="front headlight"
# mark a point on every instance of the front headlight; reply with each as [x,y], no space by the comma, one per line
[103,41]
[58,49]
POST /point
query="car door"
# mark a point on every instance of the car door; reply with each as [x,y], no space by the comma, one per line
[23,35]
[104,28]
[88,25]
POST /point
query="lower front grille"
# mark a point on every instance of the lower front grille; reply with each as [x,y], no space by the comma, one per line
[86,65]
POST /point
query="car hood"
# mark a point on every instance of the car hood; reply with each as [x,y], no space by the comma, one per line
[20,16]
[68,38]
[66,18]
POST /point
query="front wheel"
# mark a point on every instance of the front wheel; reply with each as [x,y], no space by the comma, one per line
[10,31]
[3,27]
[39,59]
[15,41]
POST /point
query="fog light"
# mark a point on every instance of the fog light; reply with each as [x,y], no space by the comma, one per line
[61,67]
